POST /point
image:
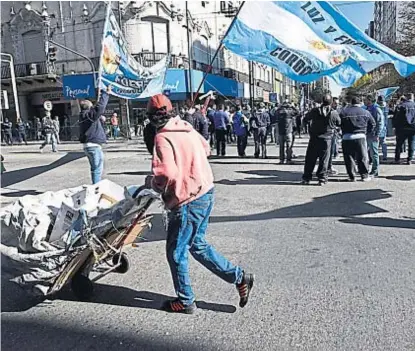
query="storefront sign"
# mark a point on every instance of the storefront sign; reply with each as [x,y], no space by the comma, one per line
[78,86]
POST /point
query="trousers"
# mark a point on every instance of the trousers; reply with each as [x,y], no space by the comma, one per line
[318,148]
[355,151]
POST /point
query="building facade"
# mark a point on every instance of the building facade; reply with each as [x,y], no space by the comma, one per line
[152,30]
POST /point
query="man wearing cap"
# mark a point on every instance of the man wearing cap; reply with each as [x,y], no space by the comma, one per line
[92,133]
[182,175]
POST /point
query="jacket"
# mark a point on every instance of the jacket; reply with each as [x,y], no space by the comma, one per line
[324,121]
[180,167]
[260,119]
[21,127]
[404,117]
[286,115]
[377,115]
[47,124]
[91,129]
[201,124]
[355,120]
[221,120]
[240,124]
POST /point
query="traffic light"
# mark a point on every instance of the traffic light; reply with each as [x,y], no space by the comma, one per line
[52,53]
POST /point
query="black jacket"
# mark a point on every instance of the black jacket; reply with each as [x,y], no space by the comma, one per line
[90,126]
[404,117]
[324,122]
[200,123]
[149,134]
[355,120]
[286,115]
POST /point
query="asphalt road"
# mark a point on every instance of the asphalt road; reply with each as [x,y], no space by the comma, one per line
[334,265]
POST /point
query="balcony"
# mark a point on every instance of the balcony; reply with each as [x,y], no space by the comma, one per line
[148,59]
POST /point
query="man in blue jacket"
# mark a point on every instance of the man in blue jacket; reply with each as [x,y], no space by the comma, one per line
[373,135]
[240,127]
[404,123]
[92,133]
[221,120]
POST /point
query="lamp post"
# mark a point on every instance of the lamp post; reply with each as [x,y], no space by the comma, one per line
[189,53]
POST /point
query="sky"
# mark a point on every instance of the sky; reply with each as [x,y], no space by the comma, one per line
[360,13]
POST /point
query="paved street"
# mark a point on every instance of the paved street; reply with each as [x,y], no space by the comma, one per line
[334,265]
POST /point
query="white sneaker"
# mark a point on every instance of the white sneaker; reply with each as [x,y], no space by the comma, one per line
[367,179]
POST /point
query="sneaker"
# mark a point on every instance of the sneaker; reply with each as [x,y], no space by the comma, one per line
[176,306]
[374,174]
[305,182]
[332,172]
[322,182]
[281,162]
[409,162]
[351,180]
[366,179]
[244,288]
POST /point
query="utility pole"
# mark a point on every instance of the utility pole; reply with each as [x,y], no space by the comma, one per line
[189,54]
[10,61]
[125,101]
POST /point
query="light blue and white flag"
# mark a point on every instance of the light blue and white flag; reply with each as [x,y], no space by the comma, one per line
[306,40]
[128,79]
[387,92]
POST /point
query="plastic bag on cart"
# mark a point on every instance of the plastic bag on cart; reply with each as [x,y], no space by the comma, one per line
[29,259]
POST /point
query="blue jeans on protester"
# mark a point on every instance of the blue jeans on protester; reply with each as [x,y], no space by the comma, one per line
[382,141]
[186,233]
[96,160]
[373,148]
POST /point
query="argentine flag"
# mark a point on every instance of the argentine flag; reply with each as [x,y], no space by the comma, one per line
[306,40]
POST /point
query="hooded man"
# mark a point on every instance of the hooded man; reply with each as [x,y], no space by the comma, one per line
[182,175]
[259,123]
[324,121]
[92,134]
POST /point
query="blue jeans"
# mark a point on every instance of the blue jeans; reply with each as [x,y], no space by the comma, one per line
[382,141]
[373,148]
[96,160]
[115,132]
[186,233]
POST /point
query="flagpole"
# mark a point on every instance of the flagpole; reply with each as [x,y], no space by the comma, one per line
[209,68]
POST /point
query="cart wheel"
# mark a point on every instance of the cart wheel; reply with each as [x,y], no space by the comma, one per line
[82,287]
[124,263]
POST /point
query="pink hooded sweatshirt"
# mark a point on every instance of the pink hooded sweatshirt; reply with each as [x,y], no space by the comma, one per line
[181,169]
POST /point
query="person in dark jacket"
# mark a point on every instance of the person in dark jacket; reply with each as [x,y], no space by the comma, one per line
[6,128]
[374,135]
[259,124]
[356,123]
[286,117]
[324,121]
[404,124]
[21,129]
[92,133]
[240,127]
[211,118]
[200,123]
[221,120]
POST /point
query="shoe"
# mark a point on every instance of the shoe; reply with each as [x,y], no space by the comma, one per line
[351,180]
[322,182]
[281,162]
[256,156]
[177,306]
[305,182]
[244,288]
[366,179]
[397,162]
[374,174]
[332,172]
[409,162]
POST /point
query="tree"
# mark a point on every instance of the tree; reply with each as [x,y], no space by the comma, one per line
[319,91]
[406,29]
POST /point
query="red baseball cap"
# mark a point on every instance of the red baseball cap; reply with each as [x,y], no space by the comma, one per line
[159,102]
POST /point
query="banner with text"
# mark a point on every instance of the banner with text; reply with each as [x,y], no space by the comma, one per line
[128,79]
[306,40]
[387,92]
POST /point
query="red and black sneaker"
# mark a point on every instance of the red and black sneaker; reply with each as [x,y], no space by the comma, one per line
[176,306]
[244,288]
